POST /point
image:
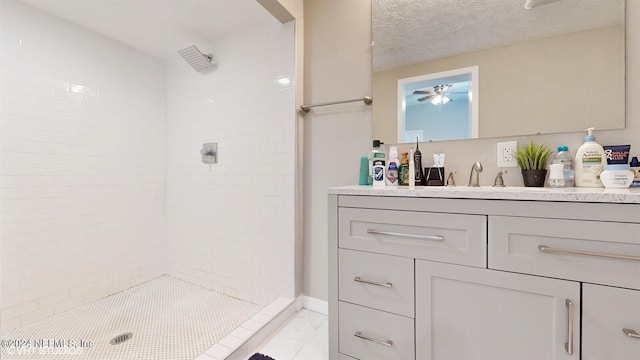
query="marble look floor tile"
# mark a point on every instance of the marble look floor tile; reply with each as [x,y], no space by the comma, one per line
[303,337]
[318,347]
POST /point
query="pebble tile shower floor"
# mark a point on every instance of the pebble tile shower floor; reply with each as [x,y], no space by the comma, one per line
[169,319]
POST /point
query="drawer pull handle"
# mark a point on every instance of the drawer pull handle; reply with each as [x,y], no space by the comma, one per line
[546,249]
[384,284]
[388,343]
[631,333]
[569,344]
[413,236]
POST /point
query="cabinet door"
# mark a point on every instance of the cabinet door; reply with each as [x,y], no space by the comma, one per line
[469,313]
[606,313]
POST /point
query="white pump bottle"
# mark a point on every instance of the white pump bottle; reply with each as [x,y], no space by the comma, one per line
[590,162]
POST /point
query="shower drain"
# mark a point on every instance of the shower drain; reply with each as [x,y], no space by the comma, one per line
[121,338]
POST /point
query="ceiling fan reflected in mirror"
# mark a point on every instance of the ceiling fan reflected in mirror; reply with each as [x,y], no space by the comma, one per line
[438,96]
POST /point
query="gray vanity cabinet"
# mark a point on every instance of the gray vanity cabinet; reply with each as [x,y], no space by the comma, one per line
[478,314]
[611,318]
[449,278]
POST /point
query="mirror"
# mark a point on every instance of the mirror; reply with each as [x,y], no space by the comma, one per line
[543,66]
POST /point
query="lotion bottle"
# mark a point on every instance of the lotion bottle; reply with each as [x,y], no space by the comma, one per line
[590,162]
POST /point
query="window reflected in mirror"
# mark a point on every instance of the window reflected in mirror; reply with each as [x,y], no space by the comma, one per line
[438,106]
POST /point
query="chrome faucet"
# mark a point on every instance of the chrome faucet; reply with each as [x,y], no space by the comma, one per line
[450,180]
[477,167]
[499,181]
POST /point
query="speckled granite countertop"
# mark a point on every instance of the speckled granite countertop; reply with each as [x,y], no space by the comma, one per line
[621,196]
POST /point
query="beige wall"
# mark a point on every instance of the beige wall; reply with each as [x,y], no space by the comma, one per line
[338,65]
[526,88]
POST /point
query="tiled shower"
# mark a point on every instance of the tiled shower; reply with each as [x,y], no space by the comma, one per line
[101,183]
[230,225]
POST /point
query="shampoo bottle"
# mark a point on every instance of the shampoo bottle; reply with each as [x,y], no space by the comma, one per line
[393,166]
[404,169]
[590,162]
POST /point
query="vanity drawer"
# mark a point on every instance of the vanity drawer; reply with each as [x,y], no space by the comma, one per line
[377,281]
[453,238]
[590,251]
[372,334]
[606,312]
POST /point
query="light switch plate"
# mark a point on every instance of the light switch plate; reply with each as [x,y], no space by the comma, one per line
[505,153]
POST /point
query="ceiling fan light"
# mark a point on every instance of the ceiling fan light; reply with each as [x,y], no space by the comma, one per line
[437,100]
[445,99]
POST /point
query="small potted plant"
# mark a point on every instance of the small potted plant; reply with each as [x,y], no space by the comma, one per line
[533,159]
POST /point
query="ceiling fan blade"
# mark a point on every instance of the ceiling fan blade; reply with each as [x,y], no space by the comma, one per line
[427,97]
[422,92]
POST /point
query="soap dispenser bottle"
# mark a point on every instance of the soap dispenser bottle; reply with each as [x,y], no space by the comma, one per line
[590,162]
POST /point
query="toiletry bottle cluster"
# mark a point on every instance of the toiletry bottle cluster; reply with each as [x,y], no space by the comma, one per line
[594,166]
[393,170]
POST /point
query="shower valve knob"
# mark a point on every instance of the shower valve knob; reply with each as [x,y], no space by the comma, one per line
[209,153]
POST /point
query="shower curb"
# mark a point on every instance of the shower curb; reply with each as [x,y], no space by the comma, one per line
[241,341]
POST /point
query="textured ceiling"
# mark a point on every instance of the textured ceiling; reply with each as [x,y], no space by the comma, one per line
[407,32]
[159,27]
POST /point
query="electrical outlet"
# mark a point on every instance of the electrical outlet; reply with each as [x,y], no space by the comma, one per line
[505,154]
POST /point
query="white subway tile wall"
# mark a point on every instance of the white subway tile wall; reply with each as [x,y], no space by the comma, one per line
[231,224]
[101,184]
[82,166]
